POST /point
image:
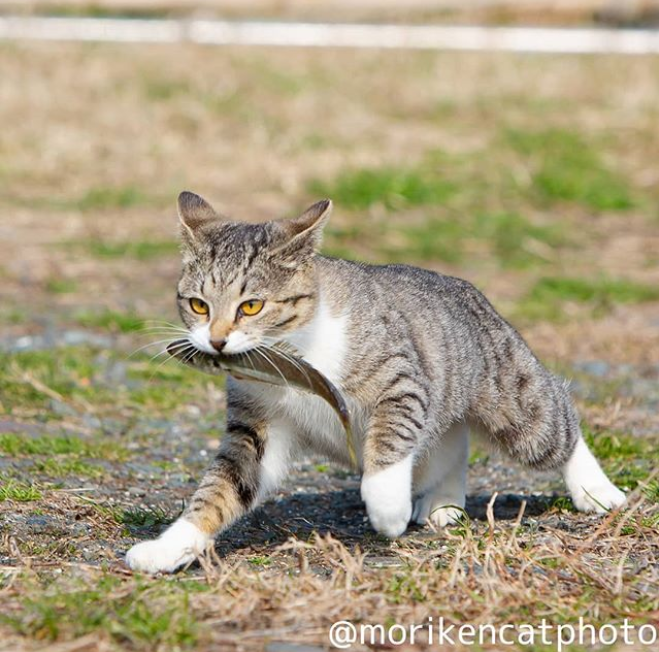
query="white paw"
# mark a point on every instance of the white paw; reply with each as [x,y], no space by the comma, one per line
[390,520]
[388,498]
[179,545]
[600,498]
[158,556]
[440,511]
[443,516]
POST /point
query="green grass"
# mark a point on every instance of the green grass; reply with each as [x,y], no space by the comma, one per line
[95,199]
[102,198]
[651,491]
[57,467]
[137,518]
[138,249]
[154,615]
[627,459]
[563,504]
[434,239]
[86,378]
[28,378]
[516,241]
[568,168]
[547,298]
[159,88]
[61,285]
[478,455]
[391,187]
[18,491]
[16,444]
[123,322]
[512,239]
[13,316]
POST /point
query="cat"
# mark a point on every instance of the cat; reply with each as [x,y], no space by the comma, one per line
[421,358]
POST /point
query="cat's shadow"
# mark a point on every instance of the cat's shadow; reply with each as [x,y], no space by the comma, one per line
[342,514]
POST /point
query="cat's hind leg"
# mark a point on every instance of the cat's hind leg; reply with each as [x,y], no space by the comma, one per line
[440,479]
[588,485]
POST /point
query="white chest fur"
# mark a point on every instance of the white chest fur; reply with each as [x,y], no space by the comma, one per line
[323,343]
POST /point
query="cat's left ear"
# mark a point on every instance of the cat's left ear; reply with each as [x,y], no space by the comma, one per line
[194,213]
[306,231]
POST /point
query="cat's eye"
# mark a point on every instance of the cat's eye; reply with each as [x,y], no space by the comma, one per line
[198,306]
[250,308]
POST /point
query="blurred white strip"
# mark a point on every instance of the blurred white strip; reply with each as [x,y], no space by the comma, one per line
[431,37]
[117,30]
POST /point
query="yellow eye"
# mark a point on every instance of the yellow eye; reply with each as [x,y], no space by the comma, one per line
[251,307]
[199,306]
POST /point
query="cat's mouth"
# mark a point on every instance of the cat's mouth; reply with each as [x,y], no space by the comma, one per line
[235,344]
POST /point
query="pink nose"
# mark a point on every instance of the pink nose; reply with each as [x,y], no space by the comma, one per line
[218,345]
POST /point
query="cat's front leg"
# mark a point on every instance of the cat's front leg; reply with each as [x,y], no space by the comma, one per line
[252,459]
[386,486]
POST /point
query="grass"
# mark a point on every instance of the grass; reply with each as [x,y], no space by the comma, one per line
[155,616]
[517,242]
[54,384]
[549,296]
[111,320]
[651,491]
[568,168]
[103,198]
[37,378]
[628,460]
[67,468]
[138,249]
[394,188]
[61,285]
[62,457]
[15,444]
[510,188]
[96,199]
[487,573]
[11,489]
[513,240]
[136,519]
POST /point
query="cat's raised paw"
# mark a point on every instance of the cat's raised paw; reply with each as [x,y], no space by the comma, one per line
[599,499]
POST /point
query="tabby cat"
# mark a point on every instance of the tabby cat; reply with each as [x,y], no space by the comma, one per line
[421,358]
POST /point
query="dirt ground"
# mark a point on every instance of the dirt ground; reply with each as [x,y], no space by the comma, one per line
[533,177]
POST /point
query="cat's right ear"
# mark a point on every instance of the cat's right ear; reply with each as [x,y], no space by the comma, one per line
[194,212]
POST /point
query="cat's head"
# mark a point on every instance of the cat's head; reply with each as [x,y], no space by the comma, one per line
[245,285]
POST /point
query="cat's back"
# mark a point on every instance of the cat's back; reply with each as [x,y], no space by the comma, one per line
[399,286]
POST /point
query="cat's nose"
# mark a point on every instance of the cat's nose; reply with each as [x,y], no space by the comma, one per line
[218,345]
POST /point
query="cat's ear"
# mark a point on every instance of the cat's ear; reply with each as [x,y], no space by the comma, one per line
[301,236]
[306,231]
[194,211]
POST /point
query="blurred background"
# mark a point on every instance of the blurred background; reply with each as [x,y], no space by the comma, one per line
[534,176]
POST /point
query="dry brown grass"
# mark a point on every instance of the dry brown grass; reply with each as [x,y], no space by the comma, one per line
[487,573]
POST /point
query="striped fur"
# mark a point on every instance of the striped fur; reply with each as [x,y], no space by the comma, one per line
[421,358]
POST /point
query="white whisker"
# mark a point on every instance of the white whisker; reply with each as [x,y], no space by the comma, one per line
[262,353]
